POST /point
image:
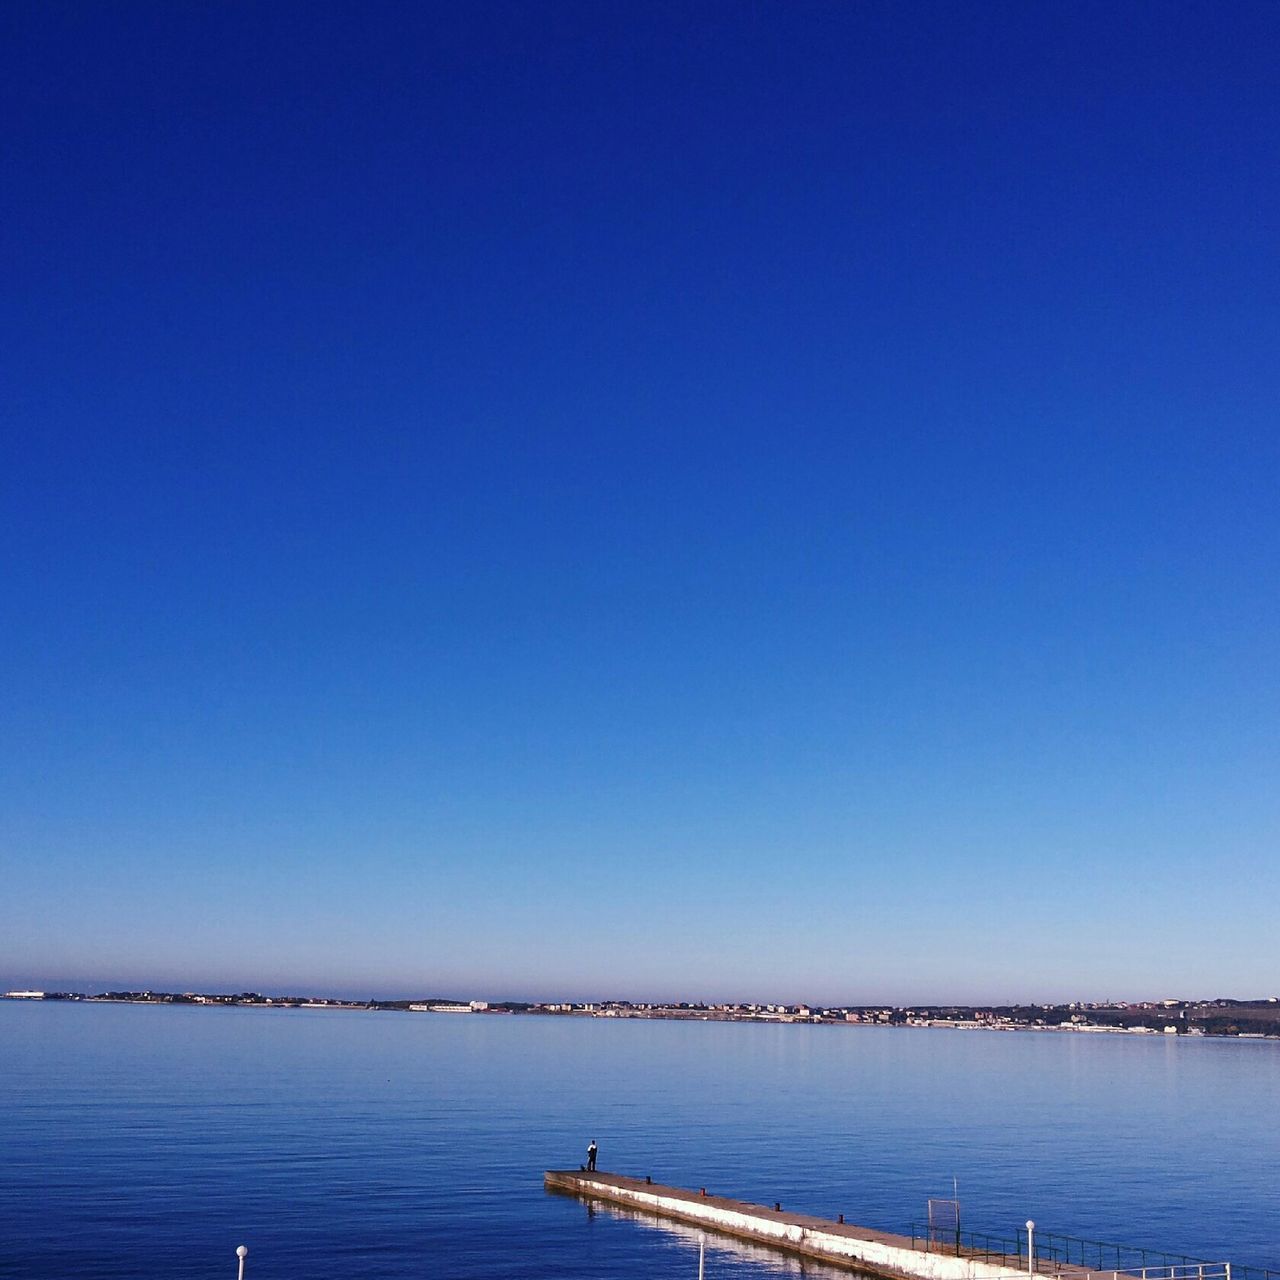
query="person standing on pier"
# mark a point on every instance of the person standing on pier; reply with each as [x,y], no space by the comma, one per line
[591,1155]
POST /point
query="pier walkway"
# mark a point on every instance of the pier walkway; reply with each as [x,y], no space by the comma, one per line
[864,1249]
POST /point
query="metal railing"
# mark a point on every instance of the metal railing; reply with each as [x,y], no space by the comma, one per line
[1104,1255]
[1056,1254]
[1177,1271]
[982,1245]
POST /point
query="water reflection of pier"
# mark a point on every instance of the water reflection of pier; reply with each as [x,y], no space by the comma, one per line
[772,1261]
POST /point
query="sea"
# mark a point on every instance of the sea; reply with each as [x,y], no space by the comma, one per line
[150,1141]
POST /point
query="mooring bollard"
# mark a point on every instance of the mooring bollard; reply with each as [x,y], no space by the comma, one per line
[242,1252]
[648,1180]
[777,1206]
[840,1218]
[1031,1247]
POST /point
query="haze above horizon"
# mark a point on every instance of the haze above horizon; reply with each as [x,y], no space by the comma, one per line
[766,501]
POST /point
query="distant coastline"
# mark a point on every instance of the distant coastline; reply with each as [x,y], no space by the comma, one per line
[1222,1017]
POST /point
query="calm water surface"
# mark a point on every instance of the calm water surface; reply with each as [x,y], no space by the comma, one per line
[137,1140]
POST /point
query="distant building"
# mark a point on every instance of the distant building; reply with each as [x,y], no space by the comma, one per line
[24,995]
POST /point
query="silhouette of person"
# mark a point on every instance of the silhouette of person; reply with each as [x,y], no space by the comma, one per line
[591,1155]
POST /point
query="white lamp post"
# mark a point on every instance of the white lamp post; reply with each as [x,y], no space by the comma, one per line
[1031,1247]
[242,1253]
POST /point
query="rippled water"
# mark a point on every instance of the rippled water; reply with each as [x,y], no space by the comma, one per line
[349,1144]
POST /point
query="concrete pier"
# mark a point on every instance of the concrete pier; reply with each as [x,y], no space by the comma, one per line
[859,1248]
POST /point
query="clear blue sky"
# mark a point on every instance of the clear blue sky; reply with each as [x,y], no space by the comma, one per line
[691,500]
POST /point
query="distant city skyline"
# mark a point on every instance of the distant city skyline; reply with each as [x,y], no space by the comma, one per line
[428,989]
[1219,1017]
[763,500]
